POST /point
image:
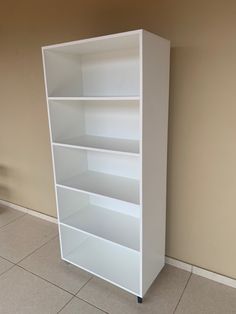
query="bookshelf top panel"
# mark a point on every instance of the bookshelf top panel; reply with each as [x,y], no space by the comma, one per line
[127,40]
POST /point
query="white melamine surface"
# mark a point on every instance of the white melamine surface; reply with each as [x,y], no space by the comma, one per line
[102,143]
[97,98]
[107,73]
[107,101]
[122,41]
[154,154]
[108,224]
[70,201]
[110,261]
[112,175]
[101,124]
[121,188]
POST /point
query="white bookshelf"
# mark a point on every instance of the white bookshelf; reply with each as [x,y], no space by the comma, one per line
[107,100]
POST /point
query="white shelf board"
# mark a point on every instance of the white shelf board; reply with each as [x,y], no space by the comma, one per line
[108,224]
[100,143]
[108,261]
[98,183]
[96,98]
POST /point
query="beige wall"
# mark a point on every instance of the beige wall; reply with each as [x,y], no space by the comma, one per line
[201,211]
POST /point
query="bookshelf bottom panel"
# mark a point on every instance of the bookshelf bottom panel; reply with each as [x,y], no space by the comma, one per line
[112,262]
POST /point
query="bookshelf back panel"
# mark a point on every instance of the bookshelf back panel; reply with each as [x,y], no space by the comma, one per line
[111,73]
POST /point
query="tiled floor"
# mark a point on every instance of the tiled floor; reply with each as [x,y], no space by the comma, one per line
[33,279]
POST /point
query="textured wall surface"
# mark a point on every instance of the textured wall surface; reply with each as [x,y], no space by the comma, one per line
[201,211]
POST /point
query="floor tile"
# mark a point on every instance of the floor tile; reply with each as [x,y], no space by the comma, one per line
[8,215]
[162,297]
[203,296]
[77,306]
[23,236]
[46,262]
[24,293]
[4,265]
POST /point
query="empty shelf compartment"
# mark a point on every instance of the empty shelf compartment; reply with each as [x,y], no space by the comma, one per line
[74,71]
[112,220]
[117,264]
[112,175]
[106,125]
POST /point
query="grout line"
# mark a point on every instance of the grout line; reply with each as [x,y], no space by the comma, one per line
[91,304]
[182,293]
[17,263]
[7,270]
[54,237]
[72,294]
[87,301]
[8,260]
[14,220]
[52,283]
[66,304]
[83,285]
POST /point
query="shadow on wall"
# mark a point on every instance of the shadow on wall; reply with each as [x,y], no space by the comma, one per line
[189,105]
[4,190]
